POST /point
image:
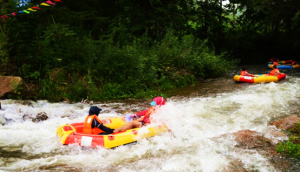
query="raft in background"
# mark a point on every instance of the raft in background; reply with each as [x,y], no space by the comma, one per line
[283,62]
[72,134]
[285,66]
[259,78]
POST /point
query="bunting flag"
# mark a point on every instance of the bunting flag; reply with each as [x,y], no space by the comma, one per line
[26,11]
[49,2]
[36,8]
[45,4]
[30,9]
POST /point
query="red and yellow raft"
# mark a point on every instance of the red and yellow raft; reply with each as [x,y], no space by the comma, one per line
[283,62]
[259,78]
[72,134]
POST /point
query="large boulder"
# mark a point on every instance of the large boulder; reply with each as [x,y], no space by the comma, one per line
[248,139]
[8,84]
[286,123]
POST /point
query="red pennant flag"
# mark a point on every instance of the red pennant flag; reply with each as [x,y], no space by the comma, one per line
[57,0]
[13,13]
[6,16]
[36,8]
[50,2]
[2,17]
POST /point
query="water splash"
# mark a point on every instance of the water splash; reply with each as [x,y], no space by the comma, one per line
[195,143]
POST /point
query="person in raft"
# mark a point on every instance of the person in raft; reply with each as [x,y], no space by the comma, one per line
[293,63]
[275,71]
[93,125]
[144,117]
[276,62]
[245,73]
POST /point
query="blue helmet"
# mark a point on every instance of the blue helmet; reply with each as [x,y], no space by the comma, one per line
[94,110]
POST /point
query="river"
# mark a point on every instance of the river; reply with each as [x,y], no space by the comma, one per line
[197,115]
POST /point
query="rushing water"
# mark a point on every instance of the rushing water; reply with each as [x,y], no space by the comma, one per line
[197,117]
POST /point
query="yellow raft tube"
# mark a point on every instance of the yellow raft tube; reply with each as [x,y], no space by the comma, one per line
[72,134]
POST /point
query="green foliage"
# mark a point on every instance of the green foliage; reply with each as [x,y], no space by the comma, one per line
[264,29]
[114,49]
[289,148]
[295,128]
[51,90]
[292,146]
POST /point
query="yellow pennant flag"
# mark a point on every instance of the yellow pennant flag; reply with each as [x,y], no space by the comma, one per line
[30,9]
[45,4]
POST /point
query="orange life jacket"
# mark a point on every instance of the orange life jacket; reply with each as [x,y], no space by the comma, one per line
[275,63]
[146,117]
[273,72]
[87,128]
[242,73]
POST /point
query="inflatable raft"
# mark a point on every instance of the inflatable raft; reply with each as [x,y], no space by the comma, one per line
[259,78]
[72,134]
[284,66]
[283,62]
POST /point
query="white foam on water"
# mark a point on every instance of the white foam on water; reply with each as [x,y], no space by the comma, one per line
[196,143]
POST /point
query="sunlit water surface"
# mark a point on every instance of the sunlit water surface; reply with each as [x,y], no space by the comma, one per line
[195,143]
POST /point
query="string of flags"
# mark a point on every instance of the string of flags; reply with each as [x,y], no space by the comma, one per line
[31,9]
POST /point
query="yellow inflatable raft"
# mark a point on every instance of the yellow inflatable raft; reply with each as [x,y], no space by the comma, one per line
[259,78]
[72,134]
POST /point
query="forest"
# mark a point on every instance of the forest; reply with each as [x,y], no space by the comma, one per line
[100,49]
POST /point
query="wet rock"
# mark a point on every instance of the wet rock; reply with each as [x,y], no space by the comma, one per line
[236,166]
[27,117]
[286,123]
[275,135]
[248,139]
[42,116]
[86,101]
[25,102]
[294,103]
[278,134]
[116,106]
[8,84]
[280,163]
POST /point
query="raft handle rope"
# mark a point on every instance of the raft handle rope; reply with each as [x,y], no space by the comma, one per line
[74,131]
